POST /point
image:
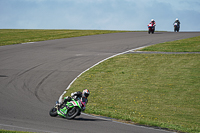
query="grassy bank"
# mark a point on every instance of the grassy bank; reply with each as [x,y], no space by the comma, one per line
[185,45]
[17,36]
[6,131]
[150,89]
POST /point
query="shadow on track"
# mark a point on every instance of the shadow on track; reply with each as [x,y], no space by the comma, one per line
[88,119]
[83,119]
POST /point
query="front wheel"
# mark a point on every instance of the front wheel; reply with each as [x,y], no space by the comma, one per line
[73,112]
[153,30]
[53,112]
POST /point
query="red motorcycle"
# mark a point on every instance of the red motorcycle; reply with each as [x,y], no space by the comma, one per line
[151,28]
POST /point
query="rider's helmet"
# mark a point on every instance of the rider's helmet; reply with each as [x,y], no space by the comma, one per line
[86,93]
[176,18]
[152,19]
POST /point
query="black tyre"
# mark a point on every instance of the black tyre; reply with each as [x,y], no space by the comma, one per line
[53,112]
[174,28]
[72,113]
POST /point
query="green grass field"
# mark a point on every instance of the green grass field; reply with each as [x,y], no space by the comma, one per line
[6,131]
[185,45]
[160,90]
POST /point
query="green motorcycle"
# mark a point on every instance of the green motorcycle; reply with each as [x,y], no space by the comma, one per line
[69,110]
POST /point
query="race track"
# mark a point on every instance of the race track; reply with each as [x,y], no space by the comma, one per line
[34,75]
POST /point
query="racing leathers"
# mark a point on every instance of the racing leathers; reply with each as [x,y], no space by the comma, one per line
[76,95]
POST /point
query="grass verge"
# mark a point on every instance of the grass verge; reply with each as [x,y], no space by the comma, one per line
[185,45]
[7,131]
[159,90]
[17,36]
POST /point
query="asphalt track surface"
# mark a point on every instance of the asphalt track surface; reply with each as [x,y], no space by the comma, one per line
[34,75]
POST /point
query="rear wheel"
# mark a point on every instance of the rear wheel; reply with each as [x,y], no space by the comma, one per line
[176,29]
[53,112]
[72,113]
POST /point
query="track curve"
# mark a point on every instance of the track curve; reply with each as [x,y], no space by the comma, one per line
[34,75]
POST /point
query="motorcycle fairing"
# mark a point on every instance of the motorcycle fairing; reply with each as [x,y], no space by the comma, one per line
[63,110]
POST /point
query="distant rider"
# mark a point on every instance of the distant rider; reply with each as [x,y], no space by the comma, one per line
[77,95]
[178,22]
[153,22]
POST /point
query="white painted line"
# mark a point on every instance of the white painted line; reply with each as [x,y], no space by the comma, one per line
[28,42]
[60,98]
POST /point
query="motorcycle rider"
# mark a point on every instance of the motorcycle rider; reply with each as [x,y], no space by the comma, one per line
[178,22]
[77,95]
[151,26]
[153,22]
